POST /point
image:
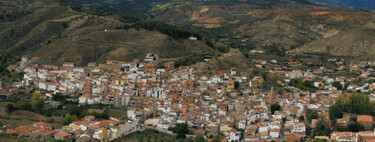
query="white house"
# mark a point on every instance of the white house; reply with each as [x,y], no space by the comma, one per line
[274,133]
[234,135]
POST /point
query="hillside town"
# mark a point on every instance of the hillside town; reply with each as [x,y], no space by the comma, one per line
[237,104]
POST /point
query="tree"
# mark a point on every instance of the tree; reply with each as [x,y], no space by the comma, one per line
[23,105]
[140,138]
[357,103]
[155,138]
[301,118]
[38,137]
[52,119]
[217,138]
[335,112]
[148,138]
[337,84]
[311,114]
[180,129]
[37,103]
[199,138]
[236,84]
[10,108]
[322,129]
[160,66]
[69,119]
[74,110]
[59,97]
[65,25]
[299,83]
[275,107]
[2,123]
[356,127]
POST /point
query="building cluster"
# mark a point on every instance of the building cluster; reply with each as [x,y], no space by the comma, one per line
[233,104]
[81,131]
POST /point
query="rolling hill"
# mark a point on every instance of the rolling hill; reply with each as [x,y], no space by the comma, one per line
[284,24]
[60,32]
[246,24]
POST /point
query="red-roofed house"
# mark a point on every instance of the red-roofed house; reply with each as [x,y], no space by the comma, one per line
[61,135]
[365,120]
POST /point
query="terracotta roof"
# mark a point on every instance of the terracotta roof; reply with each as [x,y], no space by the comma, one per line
[364,118]
[63,133]
[200,131]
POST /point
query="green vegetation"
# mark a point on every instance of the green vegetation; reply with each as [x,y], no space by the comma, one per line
[5,74]
[82,112]
[275,107]
[275,49]
[160,65]
[5,61]
[190,59]
[303,85]
[147,135]
[181,129]
[199,138]
[357,103]
[36,105]
[170,30]
[335,112]
[222,48]
[60,98]
[337,85]
[73,113]
[236,85]
[271,80]
[311,114]
[67,119]
[322,129]
[355,127]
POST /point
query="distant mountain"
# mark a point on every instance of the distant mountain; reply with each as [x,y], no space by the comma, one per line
[359,4]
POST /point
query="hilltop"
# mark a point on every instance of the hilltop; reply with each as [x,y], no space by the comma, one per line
[60,32]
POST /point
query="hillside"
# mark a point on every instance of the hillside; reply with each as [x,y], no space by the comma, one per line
[245,24]
[360,4]
[284,24]
[357,43]
[57,33]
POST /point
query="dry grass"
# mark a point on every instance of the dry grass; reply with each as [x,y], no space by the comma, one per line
[319,13]
[2,108]
[208,26]
[234,22]
[22,117]
[117,113]
[213,20]
[122,45]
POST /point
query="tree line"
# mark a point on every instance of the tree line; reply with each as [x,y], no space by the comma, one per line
[168,29]
[357,103]
[71,114]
